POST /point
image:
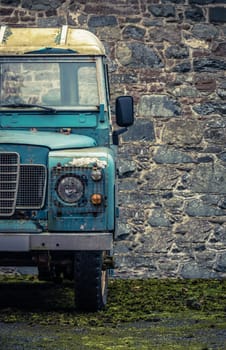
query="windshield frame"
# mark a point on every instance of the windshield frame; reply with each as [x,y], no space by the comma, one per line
[97,60]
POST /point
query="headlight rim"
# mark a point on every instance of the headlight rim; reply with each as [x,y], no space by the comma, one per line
[64,198]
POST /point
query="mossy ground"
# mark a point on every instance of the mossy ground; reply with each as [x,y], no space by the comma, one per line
[140,314]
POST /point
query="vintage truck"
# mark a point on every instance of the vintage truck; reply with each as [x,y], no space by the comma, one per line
[58,156]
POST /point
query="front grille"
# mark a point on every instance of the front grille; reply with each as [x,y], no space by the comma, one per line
[31,187]
[22,186]
[9,175]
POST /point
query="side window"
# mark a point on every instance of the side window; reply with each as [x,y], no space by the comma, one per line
[87,85]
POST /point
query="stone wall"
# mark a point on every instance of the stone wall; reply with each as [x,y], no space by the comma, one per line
[170,55]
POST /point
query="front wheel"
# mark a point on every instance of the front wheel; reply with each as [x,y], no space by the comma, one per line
[91,281]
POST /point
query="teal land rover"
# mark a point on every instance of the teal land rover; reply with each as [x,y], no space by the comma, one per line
[58,150]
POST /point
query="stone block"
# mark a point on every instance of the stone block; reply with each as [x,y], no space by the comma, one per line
[205,83]
[41,5]
[177,52]
[168,155]
[221,263]
[13,3]
[166,32]
[205,31]
[158,218]
[208,64]
[183,67]
[221,91]
[217,15]
[217,136]
[194,14]
[198,208]
[133,32]
[212,107]
[192,229]
[220,49]
[102,21]
[142,130]
[136,54]
[126,167]
[201,2]
[206,178]
[174,132]
[194,270]
[54,21]
[6,11]
[185,91]
[162,10]
[158,106]
[160,177]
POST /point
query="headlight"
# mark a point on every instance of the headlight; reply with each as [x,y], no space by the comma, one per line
[70,189]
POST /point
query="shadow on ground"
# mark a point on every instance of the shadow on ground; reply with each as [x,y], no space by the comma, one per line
[140,314]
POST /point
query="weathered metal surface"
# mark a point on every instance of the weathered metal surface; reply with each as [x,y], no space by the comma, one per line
[48,139]
[55,241]
[64,120]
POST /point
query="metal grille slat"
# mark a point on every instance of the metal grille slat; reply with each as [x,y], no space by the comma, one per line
[9,175]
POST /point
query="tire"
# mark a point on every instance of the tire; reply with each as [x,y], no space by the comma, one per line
[91,281]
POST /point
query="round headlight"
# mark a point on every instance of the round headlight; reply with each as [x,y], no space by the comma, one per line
[70,189]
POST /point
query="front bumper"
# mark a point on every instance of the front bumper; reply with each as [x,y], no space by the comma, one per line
[25,242]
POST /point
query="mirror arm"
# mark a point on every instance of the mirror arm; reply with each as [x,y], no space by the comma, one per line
[115,135]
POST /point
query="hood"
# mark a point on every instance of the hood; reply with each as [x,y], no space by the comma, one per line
[52,140]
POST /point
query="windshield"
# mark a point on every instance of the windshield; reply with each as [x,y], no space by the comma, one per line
[53,84]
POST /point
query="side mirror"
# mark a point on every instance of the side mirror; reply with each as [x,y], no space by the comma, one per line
[124,111]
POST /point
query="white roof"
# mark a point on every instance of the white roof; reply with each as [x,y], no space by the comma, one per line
[21,40]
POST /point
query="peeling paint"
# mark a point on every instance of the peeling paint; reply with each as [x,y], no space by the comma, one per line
[80,162]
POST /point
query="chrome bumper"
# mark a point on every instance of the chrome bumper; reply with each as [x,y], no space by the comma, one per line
[25,242]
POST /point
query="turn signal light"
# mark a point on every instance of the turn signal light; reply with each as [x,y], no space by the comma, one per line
[96,199]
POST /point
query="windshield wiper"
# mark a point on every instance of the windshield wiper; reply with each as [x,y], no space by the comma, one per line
[29,105]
